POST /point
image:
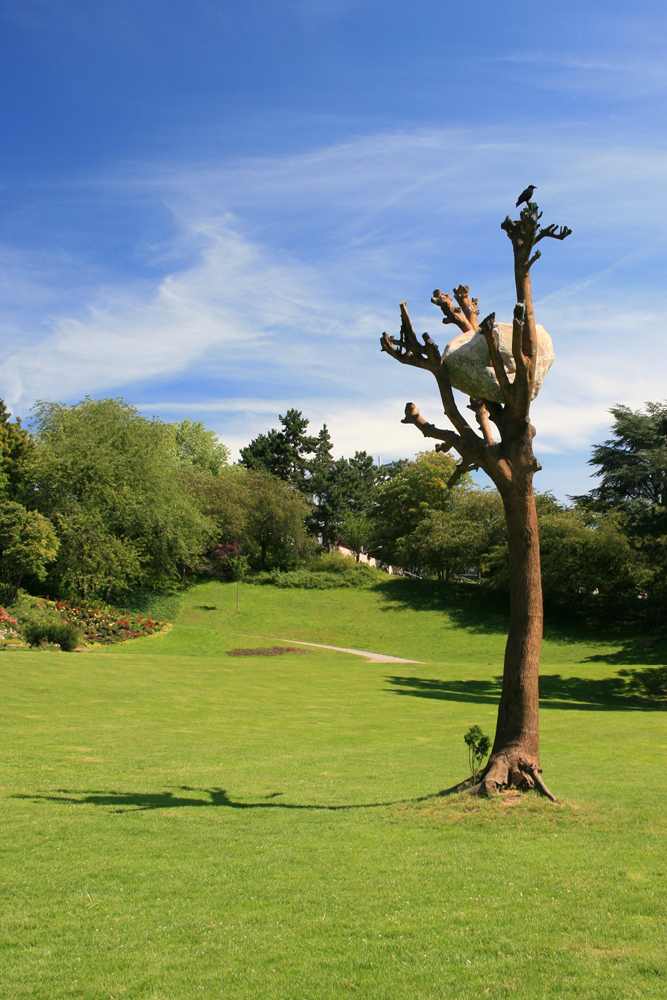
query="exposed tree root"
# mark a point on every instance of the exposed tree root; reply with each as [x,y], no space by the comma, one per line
[501,773]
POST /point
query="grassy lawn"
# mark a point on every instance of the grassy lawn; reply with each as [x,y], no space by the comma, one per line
[180,823]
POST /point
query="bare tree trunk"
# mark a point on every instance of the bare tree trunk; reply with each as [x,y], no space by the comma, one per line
[510,464]
[515,757]
[518,709]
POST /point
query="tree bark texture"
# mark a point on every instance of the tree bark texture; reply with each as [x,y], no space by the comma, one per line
[510,463]
[515,756]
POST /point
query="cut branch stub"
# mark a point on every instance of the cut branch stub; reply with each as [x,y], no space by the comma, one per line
[468,305]
[456,314]
[517,342]
[493,343]
[413,416]
[481,411]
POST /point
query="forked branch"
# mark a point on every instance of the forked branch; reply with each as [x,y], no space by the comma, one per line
[526,231]
[407,348]
[449,440]
[409,351]
[464,315]
[550,231]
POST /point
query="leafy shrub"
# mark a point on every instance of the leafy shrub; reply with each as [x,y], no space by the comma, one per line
[478,747]
[325,581]
[311,581]
[334,562]
[327,572]
[60,633]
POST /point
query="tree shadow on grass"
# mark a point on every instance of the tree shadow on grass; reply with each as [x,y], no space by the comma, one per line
[604,694]
[464,604]
[123,802]
[479,610]
[634,651]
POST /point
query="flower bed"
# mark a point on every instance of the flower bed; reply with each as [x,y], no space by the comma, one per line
[9,632]
[105,625]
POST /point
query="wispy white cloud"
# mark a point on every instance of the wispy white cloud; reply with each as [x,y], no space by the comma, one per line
[588,64]
[296,264]
[236,309]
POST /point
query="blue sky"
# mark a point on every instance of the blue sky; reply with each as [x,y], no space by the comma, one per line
[214,209]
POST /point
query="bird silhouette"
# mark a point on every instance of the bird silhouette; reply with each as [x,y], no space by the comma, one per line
[526,195]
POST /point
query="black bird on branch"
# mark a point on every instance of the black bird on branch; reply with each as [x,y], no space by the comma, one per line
[526,195]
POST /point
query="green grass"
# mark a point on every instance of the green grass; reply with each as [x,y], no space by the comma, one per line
[179,823]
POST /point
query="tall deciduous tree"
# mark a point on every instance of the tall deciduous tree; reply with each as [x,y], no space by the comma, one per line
[28,543]
[257,515]
[450,541]
[510,464]
[125,505]
[355,532]
[274,521]
[199,447]
[404,499]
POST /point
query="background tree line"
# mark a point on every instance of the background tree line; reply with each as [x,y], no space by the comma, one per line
[98,500]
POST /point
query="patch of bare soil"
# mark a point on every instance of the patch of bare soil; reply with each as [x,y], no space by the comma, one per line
[265,651]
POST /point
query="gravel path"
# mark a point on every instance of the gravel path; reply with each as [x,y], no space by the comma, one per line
[372,657]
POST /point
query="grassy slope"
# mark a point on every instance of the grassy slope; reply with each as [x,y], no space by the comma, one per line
[180,823]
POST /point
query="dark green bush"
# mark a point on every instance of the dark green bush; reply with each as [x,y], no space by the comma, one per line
[313,581]
[334,562]
[64,634]
[317,579]
[327,572]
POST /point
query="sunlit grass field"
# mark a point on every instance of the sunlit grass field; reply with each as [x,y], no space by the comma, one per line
[181,823]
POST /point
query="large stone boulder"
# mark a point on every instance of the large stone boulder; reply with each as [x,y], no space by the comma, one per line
[469,362]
